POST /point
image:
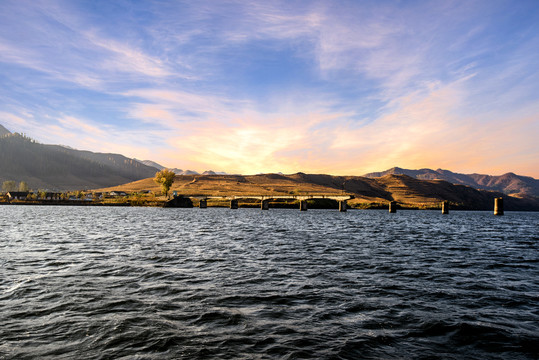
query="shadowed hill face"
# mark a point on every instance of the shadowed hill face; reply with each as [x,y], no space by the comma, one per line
[407,189]
[59,168]
[274,176]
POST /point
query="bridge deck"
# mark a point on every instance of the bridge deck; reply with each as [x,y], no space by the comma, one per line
[276,197]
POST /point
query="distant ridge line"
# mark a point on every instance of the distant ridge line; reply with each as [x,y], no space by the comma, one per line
[508,183]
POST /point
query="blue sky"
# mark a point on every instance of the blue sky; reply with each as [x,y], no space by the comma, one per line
[338,87]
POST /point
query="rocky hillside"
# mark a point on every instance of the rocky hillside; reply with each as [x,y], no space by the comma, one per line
[508,183]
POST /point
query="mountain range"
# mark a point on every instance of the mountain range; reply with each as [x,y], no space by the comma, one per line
[180,171]
[509,183]
[56,167]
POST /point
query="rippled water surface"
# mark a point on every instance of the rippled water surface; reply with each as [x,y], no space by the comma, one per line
[150,283]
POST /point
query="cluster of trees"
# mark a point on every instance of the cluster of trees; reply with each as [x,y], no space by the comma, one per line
[164,177]
[11,185]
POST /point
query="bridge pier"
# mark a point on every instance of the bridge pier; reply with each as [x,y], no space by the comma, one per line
[343,205]
[498,206]
[445,207]
[303,205]
[203,204]
[234,204]
[392,207]
[264,205]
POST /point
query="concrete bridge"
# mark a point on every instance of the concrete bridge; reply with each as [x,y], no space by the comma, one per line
[265,199]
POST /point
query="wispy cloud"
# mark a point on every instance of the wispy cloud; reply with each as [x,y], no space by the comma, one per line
[55,42]
[13,122]
[123,58]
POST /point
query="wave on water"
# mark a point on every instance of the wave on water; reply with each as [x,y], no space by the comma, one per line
[141,283]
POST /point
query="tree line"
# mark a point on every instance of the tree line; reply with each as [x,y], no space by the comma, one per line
[10,185]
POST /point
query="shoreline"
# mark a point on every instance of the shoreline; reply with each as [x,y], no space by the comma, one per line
[186,202]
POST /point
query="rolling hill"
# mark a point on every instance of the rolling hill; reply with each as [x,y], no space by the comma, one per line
[401,188]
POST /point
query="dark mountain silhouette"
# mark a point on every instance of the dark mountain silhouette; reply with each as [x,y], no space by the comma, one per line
[509,183]
[57,167]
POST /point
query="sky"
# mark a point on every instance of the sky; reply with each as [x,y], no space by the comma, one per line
[335,87]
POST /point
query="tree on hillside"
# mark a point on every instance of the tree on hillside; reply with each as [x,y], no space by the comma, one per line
[165,178]
[9,185]
[23,186]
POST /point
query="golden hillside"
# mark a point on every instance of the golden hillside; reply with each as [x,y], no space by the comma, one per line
[400,188]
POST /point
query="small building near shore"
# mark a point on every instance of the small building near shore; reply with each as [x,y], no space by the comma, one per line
[52,196]
[17,195]
[117,193]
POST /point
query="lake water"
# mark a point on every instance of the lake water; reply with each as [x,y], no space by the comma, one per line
[151,283]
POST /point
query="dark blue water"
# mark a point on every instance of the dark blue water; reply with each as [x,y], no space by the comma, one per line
[149,283]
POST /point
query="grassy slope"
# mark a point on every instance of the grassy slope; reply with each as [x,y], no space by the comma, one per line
[401,188]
